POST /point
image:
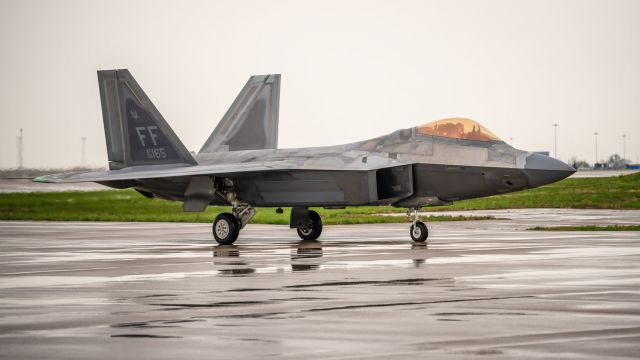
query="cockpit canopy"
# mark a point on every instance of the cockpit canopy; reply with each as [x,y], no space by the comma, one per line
[457,128]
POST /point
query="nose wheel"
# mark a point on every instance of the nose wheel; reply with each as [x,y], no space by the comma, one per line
[419,231]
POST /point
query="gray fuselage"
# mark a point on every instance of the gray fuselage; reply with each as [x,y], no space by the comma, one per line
[404,169]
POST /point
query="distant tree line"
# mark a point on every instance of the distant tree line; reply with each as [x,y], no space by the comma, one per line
[614,162]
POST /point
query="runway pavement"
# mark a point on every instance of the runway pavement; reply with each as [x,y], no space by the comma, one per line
[481,289]
[28,186]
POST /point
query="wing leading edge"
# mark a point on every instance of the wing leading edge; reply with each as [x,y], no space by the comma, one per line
[160,171]
[173,171]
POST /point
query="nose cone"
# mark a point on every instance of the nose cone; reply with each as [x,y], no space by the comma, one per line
[543,170]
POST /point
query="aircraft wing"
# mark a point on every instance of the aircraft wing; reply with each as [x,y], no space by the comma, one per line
[185,170]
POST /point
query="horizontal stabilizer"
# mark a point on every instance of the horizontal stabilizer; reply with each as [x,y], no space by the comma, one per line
[251,123]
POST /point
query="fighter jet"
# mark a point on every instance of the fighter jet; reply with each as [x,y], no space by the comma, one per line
[240,165]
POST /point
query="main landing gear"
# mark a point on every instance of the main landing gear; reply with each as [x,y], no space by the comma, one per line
[307,223]
[226,229]
[313,229]
[419,231]
[227,226]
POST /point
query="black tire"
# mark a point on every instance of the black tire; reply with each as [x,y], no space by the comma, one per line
[314,230]
[226,229]
[419,232]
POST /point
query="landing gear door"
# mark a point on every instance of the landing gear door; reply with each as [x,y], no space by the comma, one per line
[394,183]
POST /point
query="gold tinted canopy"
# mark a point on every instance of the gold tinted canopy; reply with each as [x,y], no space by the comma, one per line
[457,128]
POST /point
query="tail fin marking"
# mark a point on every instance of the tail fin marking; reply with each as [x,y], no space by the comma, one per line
[135,131]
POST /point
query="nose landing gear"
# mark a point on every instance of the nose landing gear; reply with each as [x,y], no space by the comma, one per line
[419,231]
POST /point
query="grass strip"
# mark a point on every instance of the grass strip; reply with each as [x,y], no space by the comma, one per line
[128,205]
[622,192]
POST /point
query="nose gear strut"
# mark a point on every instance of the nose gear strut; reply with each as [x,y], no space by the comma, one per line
[419,231]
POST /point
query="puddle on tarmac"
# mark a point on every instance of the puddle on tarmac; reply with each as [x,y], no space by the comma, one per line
[214,304]
[416,281]
[231,260]
[155,323]
[479,313]
[148,336]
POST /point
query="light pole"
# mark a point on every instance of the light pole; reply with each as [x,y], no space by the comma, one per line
[83,159]
[20,150]
[596,135]
[555,139]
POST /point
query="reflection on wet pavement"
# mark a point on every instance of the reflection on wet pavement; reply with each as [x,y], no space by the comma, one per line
[305,256]
[227,259]
[87,290]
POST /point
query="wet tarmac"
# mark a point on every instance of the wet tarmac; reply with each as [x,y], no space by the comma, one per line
[479,289]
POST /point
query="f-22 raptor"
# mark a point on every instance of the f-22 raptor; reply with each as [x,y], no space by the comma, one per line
[240,165]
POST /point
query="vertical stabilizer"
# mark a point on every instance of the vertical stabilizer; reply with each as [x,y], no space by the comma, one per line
[251,123]
[135,131]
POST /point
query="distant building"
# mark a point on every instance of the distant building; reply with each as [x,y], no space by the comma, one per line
[633,167]
[545,153]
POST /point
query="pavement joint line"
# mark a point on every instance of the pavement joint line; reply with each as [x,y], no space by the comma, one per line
[554,337]
[349,307]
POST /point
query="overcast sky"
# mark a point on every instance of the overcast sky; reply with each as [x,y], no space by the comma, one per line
[351,70]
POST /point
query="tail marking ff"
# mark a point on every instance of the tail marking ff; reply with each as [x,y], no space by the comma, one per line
[135,131]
